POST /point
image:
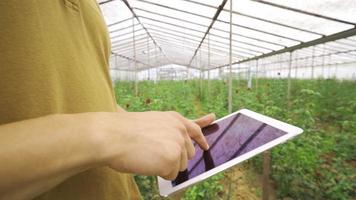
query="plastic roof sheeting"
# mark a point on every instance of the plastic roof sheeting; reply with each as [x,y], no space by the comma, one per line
[165,32]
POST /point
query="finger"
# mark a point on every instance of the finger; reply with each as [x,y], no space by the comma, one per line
[201,141]
[189,146]
[173,173]
[194,132]
[183,160]
[205,120]
[170,176]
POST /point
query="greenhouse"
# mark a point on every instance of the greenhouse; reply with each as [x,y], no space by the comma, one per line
[178,99]
[293,60]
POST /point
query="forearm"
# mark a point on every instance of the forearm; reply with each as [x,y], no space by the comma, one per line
[30,191]
[40,153]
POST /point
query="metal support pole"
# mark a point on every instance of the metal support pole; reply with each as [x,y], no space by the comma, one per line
[289,78]
[134,55]
[148,51]
[256,77]
[265,71]
[149,74]
[280,57]
[115,64]
[127,75]
[230,63]
[329,68]
[296,65]
[323,62]
[208,63]
[148,57]
[188,73]
[312,65]
[196,64]
[230,71]
[200,75]
[249,81]
[155,52]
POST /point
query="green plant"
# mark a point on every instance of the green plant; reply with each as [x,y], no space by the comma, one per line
[210,189]
[319,164]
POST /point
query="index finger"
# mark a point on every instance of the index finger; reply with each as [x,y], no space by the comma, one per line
[194,132]
[200,139]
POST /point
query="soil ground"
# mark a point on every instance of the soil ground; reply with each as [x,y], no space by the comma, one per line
[243,183]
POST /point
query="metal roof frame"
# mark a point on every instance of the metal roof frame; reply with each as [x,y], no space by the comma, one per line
[305,12]
[167,23]
[183,37]
[135,16]
[238,25]
[204,26]
[182,45]
[332,37]
[218,46]
[152,30]
[258,18]
[237,41]
[307,57]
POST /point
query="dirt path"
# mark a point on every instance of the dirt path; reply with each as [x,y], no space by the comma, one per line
[244,183]
[197,107]
[241,184]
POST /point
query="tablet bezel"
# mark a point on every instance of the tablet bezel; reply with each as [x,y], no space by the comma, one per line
[166,188]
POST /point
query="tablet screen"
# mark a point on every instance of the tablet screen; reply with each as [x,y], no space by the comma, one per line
[228,139]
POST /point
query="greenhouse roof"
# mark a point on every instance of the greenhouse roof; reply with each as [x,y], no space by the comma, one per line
[196,33]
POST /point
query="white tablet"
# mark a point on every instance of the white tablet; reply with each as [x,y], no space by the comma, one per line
[232,139]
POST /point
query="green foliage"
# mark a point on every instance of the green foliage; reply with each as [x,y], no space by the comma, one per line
[168,95]
[207,190]
[319,164]
[148,187]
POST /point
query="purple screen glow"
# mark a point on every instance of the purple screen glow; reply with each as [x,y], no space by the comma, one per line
[228,139]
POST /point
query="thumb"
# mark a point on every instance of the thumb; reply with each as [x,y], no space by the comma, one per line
[205,120]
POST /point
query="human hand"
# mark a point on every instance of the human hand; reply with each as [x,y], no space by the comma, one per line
[151,143]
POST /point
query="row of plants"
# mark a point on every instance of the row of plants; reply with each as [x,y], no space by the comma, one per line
[319,164]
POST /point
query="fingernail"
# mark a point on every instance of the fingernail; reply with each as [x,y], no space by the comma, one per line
[212,115]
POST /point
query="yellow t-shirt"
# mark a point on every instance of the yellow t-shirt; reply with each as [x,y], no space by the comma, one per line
[54,59]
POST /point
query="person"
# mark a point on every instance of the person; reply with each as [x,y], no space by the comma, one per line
[62,136]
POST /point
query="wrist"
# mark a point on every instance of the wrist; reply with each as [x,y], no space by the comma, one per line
[96,127]
[89,140]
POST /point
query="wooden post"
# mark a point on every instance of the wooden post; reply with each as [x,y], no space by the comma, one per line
[266,173]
